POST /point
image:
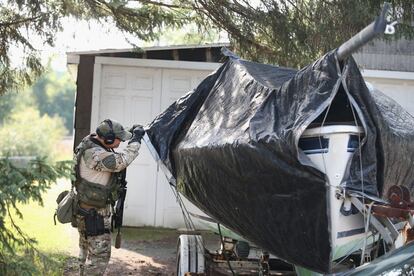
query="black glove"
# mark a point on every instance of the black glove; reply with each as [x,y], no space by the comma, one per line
[137,134]
[131,129]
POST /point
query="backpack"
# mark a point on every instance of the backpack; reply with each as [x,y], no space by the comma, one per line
[66,210]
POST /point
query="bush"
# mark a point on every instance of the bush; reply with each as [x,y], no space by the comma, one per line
[54,94]
[26,133]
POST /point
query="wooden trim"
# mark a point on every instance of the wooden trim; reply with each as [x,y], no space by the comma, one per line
[154,48]
[83,101]
[155,63]
[96,96]
[72,59]
[176,56]
[209,57]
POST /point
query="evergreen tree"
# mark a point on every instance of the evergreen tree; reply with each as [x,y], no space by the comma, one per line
[22,181]
[287,32]
[293,33]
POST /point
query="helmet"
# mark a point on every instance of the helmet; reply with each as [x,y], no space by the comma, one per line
[109,130]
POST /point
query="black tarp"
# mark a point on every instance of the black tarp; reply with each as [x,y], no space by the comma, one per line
[232,145]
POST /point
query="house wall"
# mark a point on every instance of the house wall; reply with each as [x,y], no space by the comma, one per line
[397,85]
[389,66]
[395,55]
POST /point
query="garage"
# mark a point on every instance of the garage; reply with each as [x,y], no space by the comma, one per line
[136,90]
[134,87]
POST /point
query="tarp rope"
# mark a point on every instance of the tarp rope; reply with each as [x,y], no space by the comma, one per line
[187,217]
[366,216]
[190,225]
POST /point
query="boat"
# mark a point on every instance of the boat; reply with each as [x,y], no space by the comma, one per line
[313,166]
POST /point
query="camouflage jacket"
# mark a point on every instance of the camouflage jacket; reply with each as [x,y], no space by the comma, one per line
[97,168]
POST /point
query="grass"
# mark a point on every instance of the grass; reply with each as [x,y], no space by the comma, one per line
[146,233]
[38,220]
[55,242]
[38,223]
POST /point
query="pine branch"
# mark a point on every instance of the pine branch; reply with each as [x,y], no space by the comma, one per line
[162,4]
[26,240]
[230,28]
[19,22]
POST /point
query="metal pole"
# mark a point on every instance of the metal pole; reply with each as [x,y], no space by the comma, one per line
[367,34]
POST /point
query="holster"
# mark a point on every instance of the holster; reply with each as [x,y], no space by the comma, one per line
[94,222]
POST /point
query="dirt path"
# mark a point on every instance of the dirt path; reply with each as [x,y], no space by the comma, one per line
[139,254]
[137,257]
[144,258]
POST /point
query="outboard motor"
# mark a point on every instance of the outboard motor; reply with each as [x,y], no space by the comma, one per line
[330,149]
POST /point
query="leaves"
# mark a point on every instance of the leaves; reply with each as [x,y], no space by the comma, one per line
[54,95]
[23,180]
[294,33]
[286,32]
[27,133]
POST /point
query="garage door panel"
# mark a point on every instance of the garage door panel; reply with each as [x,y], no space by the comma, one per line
[179,84]
[142,83]
[114,80]
[167,217]
[171,215]
[130,95]
[173,218]
[175,84]
[112,107]
[143,79]
[140,110]
[113,92]
[133,95]
[140,201]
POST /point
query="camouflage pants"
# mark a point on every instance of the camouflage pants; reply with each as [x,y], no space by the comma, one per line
[97,248]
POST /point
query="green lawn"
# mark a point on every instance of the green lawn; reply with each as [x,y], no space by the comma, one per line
[146,233]
[55,242]
[38,223]
[38,220]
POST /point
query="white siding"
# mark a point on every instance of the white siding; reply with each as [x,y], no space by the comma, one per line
[397,85]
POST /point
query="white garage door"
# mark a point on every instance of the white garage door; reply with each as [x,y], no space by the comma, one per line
[135,91]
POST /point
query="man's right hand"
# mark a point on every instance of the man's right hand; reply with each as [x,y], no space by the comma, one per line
[131,129]
[137,134]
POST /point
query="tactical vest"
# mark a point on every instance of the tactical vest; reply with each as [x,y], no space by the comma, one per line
[90,193]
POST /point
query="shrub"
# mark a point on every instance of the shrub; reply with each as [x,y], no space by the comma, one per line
[26,133]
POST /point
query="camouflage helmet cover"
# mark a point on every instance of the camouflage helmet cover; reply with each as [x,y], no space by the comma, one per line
[107,127]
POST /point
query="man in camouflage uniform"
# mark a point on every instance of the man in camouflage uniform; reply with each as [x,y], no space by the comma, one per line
[97,175]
